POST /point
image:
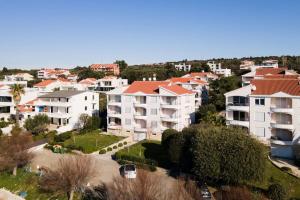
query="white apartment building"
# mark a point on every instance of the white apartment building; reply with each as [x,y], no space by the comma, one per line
[203,76]
[198,86]
[260,73]
[7,104]
[47,86]
[52,73]
[217,69]
[147,108]
[19,77]
[65,107]
[109,83]
[183,67]
[270,109]
[250,65]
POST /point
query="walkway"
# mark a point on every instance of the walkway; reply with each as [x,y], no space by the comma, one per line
[280,162]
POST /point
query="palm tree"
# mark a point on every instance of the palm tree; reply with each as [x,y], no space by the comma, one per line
[16,91]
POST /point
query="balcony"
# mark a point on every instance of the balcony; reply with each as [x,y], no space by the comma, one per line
[114,103]
[167,118]
[238,123]
[61,115]
[169,105]
[281,142]
[114,114]
[53,103]
[238,106]
[114,127]
[288,126]
[282,110]
[281,105]
[140,129]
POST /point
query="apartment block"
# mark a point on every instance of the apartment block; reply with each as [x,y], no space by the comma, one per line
[65,107]
[217,69]
[52,73]
[147,108]
[109,69]
[183,67]
[19,77]
[270,109]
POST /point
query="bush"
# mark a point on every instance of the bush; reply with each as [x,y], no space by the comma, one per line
[115,147]
[4,124]
[48,146]
[102,151]
[120,145]
[138,165]
[37,124]
[165,138]
[276,192]
[74,147]
[286,169]
[120,156]
[219,155]
[125,143]
[63,136]
[109,149]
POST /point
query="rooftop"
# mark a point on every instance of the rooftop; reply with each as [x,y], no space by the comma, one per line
[62,94]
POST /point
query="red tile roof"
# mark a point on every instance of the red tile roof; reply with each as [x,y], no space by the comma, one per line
[96,66]
[277,76]
[265,71]
[200,81]
[88,81]
[180,79]
[271,86]
[147,87]
[44,83]
[177,89]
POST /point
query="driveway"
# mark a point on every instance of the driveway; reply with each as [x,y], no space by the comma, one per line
[106,168]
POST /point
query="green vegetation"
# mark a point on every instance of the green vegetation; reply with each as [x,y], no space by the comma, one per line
[147,151]
[275,175]
[92,141]
[27,182]
[4,124]
[37,124]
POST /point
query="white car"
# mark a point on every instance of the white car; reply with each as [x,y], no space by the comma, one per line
[128,171]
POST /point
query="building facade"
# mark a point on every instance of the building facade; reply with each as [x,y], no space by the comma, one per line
[217,69]
[148,108]
[183,67]
[109,69]
[270,109]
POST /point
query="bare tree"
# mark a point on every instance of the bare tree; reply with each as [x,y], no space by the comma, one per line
[14,151]
[147,186]
[70,174]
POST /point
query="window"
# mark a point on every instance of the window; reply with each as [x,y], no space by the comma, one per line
[260,131]
[153,111]
[85,98]
[240,116]
[260,101]
[259,116]
[93,97]
[127,110]
[128,121]
[93,106]
[85,108]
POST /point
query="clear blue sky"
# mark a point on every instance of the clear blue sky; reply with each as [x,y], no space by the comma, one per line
[66,33]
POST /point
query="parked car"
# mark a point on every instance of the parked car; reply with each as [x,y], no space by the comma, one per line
[128,171]
[206,195]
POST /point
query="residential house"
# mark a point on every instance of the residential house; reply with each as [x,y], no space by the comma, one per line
[109,69]
[52,73]
[203,76]
[147,108]
[270,109]
[183,67]
[217,69]
[19,77]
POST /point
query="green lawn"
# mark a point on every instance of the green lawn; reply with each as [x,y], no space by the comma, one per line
[291,183]
[28,182]
[149,149]
[93,141]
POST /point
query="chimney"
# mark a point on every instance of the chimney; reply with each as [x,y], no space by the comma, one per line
[202,70]
[144,79]
[150,79]
[154,77]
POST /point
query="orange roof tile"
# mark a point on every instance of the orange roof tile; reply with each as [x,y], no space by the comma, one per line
[177,89]
[265,71]
[147,87]
[180,79]
[271,86]
[44,83]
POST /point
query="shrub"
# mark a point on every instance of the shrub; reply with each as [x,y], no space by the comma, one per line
[37,124]
[125,143]
[120,145]
[63,136]
[102,151]
[48,146]
[219,155]
[165,138]
[276,192]
[234,193]
[115,147]
[4,124]
[74,147]
[120,156]
[109,149]
[286,169]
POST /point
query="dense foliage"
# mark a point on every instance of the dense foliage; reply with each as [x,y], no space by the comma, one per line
[84,73]
[122,64]
[276,192]
[37,124]
[219,87]
[219,154]
[165,139]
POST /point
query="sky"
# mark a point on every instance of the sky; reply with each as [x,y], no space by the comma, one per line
[68,33]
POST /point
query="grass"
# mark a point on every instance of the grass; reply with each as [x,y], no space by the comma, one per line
[148,149]
[28,182]
[93,141]
[274,174]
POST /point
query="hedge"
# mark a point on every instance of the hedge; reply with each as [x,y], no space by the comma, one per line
[63,136]
[120,145]
[109,149]
[120,156]
[115,147]
[102,151]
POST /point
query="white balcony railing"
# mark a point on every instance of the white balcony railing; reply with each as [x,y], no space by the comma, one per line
[238,123]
